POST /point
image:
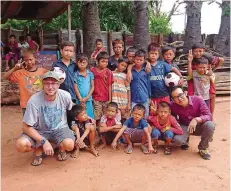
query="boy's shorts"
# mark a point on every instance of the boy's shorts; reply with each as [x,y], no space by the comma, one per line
[56,136]
[99,108]
[109,136]
[135,134]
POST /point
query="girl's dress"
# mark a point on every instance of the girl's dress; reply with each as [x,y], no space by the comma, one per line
[120,88]
[84,87]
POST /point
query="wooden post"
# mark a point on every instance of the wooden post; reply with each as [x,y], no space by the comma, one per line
[9,32]
[160,39]
[69,21]
[109,42]
[40,30]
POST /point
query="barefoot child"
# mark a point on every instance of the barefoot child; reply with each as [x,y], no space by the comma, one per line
[84,84]
[110,124]
[27,75]
[165,127]
[103,79]
[84,129]
[121,89]
[136,130]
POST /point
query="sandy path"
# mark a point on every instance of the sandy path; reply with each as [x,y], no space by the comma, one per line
[115,170]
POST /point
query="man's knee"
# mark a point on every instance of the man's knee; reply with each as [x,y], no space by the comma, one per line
[67,144]
[23,145]
[209,127]
[180,139]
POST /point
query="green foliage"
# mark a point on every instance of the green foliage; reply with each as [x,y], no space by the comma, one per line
[116,16]
[159,24]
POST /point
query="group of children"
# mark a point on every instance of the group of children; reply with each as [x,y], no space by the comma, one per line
[13,49]
[123,98]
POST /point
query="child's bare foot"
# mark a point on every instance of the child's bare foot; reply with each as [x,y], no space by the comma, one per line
[94,151]
[120,146]
[75,153]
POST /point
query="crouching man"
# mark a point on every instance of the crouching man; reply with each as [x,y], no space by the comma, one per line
[45,121]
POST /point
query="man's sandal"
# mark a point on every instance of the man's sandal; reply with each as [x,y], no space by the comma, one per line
[62,155]
[167,150]
[37,160]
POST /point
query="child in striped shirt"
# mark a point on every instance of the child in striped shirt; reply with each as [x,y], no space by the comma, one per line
[121,89]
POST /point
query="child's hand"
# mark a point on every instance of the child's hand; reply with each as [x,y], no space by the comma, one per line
[114,145]
[80,143]
[209,72]
[190,56]
[181,82]
[129,76]
[153,106]
[84,99]
[19,64]
[150,149]
[148,67]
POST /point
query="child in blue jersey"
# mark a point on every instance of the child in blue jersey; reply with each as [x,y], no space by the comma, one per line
[84,84]
[159,69]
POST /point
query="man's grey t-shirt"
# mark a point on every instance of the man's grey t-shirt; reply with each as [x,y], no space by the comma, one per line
[45,115]
[201,85]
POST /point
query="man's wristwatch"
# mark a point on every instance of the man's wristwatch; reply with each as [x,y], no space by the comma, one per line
[41,143]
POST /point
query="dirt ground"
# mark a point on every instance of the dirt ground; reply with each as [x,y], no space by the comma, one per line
[115,170]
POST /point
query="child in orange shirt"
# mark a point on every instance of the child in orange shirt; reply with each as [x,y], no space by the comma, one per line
[27,75]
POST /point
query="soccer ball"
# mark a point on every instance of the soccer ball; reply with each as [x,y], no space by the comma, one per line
[60,72]
[171,79]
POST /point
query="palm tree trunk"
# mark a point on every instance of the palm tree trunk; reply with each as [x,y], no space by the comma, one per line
[91,26]
[193,26]
[141,29]
[222,42]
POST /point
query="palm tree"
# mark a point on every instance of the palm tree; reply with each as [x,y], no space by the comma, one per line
[222,43]
[91,26]
[141,28]
[193,26]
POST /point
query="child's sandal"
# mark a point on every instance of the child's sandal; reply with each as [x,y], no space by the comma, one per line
[155,148]
[167,150]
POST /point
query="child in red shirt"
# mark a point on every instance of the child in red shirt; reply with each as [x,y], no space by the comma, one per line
[99,48]
[165,127]
[103,79]
[33,45]
[198,50]
[12,51]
